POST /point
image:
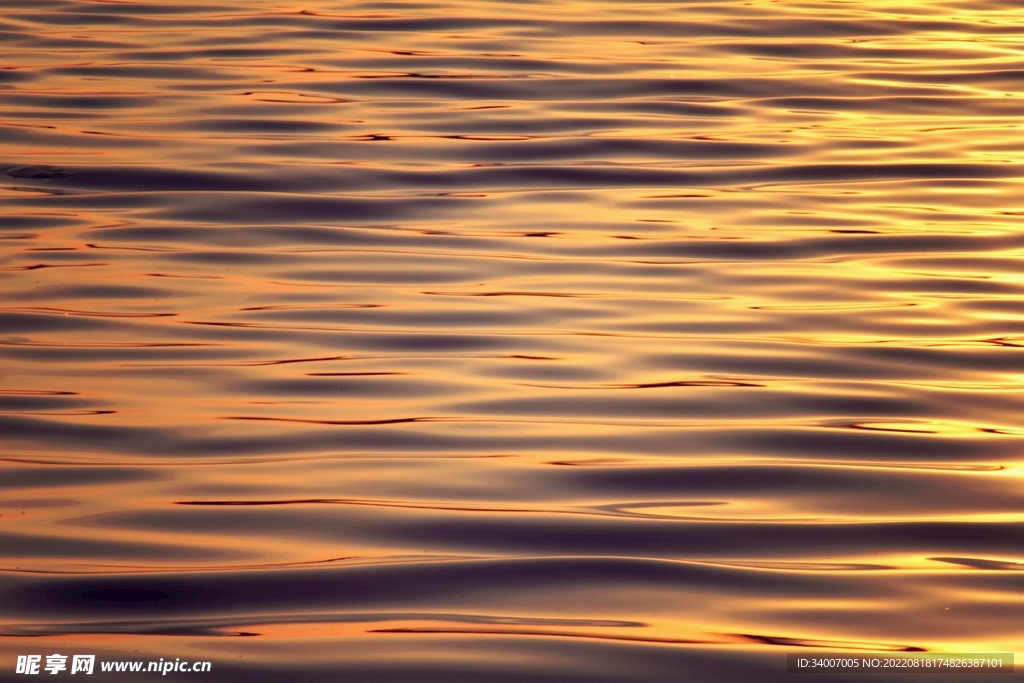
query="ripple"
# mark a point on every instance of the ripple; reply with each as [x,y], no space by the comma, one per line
[39,172]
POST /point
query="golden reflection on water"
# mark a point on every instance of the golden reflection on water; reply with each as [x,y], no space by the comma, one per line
[492,340]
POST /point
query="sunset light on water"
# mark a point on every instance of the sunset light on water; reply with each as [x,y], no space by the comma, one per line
[510,341]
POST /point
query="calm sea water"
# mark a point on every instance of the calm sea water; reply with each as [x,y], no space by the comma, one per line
[510,341]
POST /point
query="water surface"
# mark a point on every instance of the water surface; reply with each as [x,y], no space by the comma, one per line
[507,341]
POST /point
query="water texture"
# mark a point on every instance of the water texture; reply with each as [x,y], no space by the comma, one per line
[510,341]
